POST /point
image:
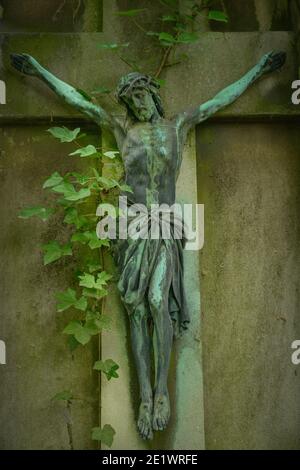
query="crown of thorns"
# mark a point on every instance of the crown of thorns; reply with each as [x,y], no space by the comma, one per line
[130,81]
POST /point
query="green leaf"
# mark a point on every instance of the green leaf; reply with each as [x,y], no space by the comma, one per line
[94,293]
[107,183]
[73,343]
[125,187]
[64,188]
[70,193]
[79,237]
[38,211]
[93,327]
[80,333]
[134,12]
[82,336]
[64,134]
[90,238]
[111,154]
[105,435]
[72,217]
[186,38]
[53,180]
[80,178]
[102,322]
[92,267]
[86,151]
[95,242]
[217,15]
[91,282]
[166,38]
[108,367]
[54,251]
[81,304]
[68,299]
[66,395]
[87,280]
[102,279]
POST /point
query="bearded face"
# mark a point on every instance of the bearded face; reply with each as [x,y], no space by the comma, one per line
[141,104]
[140,95]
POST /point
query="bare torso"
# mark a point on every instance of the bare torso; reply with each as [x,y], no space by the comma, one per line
[152,153]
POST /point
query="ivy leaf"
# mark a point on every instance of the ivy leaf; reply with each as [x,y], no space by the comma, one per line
[82,336]
[101,321]
[91,282]
[95,242]
[73,343]
[94,293]
[93,327]
[92,267]
[166,38]
[107,183]
[87,280]
[38,211]
[64,134]
[79,237]
[134,12]
[70,193]
[72,217]
[65,395]
[102,279]
[125,187]
[186,38]
[85,151]
[105,435]
[217,15]
[53,180]
[111,154]
[80,333]
[55,251]
[80,178]
[108,367]
[90,238]
[68,299]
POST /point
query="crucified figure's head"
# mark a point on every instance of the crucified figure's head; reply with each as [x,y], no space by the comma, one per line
[139,93]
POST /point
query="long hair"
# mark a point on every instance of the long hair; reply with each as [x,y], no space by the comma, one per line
[127,84]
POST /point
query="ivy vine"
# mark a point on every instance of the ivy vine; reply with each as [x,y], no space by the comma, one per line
[78,195]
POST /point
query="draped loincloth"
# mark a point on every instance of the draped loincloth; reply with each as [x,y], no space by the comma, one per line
[137,259]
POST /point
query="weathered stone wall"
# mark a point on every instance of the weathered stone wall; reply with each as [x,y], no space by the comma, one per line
[247,177]
[249,182]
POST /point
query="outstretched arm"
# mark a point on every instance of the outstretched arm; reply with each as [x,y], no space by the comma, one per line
[268,63]
[29,66]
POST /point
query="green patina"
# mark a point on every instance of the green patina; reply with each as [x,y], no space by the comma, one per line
[151,271]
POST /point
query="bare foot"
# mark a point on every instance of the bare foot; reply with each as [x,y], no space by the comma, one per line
[144,422]
[161,413]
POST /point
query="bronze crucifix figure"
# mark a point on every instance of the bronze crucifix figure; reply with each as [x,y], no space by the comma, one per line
[151,270]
